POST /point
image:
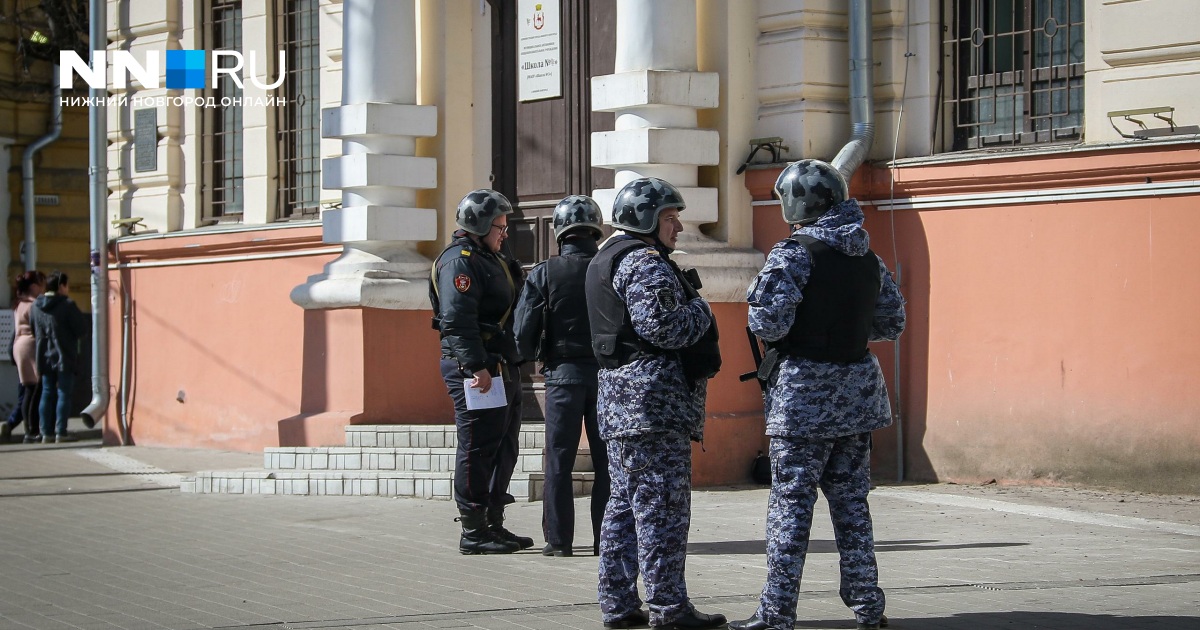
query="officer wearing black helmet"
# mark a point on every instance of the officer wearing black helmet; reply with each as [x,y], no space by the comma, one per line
[552,326]
[655,339]
[473,288]
[821,297]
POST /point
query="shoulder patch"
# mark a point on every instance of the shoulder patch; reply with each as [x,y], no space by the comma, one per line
[466,252]
[462,282]
[666,298]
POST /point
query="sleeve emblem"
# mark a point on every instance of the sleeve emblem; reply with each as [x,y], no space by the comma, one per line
[666,298]
[462,282]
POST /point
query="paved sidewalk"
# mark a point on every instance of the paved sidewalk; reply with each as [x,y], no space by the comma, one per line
[97,538]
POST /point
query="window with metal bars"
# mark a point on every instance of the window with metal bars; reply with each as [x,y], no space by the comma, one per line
[1015,72]
[223,125]
[299,122]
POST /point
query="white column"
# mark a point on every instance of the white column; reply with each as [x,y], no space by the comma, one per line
[378,173]
[655,92]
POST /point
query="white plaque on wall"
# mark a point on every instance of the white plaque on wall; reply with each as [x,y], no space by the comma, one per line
[539,50]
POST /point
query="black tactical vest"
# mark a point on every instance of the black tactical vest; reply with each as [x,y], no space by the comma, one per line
[568,335]
[614,341]
[834,320]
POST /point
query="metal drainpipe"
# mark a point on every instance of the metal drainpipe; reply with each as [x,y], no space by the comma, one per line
[862,135]
[862,81]
[27,173]
[98,183]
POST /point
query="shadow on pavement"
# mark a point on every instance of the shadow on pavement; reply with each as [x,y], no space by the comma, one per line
[63,493]
[759,547]
[1025,619]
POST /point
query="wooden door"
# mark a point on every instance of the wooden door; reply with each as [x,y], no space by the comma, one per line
[542,149]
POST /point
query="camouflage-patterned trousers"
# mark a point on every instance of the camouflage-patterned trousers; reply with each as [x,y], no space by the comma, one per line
[646,526]
[842,468]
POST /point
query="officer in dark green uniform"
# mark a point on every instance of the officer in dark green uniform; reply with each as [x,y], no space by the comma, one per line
[473,288]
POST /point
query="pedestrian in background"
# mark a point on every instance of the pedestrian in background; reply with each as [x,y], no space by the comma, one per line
[473,289]
[29,286]
[552,326]
[821,297]
[59,328]
[655,339]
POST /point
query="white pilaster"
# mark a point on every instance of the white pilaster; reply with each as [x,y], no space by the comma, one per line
[377,172]
[655,91]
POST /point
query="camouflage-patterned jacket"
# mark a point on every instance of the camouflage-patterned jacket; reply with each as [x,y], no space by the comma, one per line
[650,394]
[809,398]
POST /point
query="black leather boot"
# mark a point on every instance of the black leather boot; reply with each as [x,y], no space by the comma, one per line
[495,520]
[862,625]
[477,538]
[753,623]
[694,620]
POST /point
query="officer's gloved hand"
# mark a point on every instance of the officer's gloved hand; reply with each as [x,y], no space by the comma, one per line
[494,360]
[514,268]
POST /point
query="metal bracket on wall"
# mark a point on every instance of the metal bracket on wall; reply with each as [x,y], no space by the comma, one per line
[1165,114]
[774,144]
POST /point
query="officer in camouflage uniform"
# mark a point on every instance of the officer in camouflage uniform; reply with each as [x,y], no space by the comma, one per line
[473,287]
[821,297]
[552,326]
[655,339]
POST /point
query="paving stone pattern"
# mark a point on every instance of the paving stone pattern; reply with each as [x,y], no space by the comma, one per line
[90,547]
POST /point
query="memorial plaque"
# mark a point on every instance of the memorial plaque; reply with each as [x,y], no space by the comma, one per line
[145,140]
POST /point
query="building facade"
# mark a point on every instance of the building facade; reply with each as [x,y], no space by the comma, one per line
[1032,175]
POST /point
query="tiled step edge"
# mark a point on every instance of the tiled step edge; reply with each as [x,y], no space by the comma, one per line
[427,435]
[335,458]
[524,487]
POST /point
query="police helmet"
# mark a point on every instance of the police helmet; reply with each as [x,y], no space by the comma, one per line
[479,208]
[639,203]
[576,213]
[807,189]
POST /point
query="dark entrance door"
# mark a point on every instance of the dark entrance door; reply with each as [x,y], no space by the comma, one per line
[542,149]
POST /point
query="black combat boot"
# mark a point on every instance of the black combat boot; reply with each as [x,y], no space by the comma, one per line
[694,620]
[495,520]
[477,538]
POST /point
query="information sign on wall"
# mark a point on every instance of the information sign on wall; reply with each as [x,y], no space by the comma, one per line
[539,50]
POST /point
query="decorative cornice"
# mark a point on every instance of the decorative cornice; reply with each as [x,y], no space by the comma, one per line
[1016,177]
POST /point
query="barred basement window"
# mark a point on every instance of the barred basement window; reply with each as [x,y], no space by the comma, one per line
[299,122]
[1015,72]
[223,125]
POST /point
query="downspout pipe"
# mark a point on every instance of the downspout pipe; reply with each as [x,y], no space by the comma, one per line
[27,173]
[862,82]
[98,184]
[862,135]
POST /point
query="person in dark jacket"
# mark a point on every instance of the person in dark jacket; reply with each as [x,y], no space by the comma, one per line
[59,328]
[473,288]
[552,327]
[655,340]
[821,297]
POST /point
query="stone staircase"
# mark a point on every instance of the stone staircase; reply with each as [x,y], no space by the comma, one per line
[386,461]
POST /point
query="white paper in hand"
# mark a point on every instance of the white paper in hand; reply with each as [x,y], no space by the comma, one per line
[493,398]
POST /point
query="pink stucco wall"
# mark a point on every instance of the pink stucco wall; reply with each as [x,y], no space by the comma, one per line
[1047,342]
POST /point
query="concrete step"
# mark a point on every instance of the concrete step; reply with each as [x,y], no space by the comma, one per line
[417,459]
[424,485]
[427,435]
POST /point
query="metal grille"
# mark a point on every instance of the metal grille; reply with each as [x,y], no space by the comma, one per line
[300,117]
[223,125]
[1017,71]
